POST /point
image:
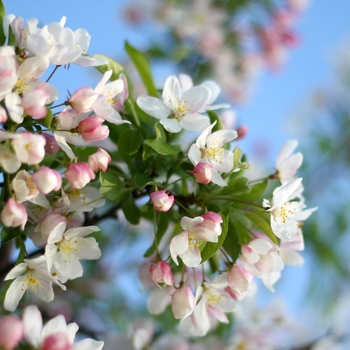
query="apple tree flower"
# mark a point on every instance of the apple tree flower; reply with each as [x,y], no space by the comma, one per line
[64,250]
[209,148]
[177,111]
[185,244]
[55,334]
[212,303]
[31,275]
[287,162]
[286,213]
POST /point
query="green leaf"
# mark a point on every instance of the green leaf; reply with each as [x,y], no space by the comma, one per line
[242,226]
[131,211]
[9,233]
[237,186]
[141,63]
[142,180]
[129,142]
[12,38]
[113,188]
[111,65]
[231,245]
[255,193]
[2,14]
[160,145]
[263,225]
[48,119]
[210,248]
[214,117]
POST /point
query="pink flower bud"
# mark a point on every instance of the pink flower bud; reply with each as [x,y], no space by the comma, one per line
[14,214]
[47,180]
[183,302]
[242,132]
[92,130]
[11,332]
[161,273]
[162,201]
[83,99]
[203,173]
[79,174]
[34,101]
[99,160]
[51,146]
[57,341]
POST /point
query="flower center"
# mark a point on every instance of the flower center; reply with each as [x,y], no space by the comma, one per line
[215,152]
[214,299]
[191,240]
[180,109]
[285,211]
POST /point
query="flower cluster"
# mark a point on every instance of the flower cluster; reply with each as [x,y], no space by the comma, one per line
[46,198]
[55,334]
[204,211]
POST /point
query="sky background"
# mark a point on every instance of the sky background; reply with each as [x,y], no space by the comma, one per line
[278,98]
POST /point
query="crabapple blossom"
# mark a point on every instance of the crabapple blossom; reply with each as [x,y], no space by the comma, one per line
[286,214]
[91,129]
[162,201]
[8,160]
[212,221]
[161,273]
[99,160]
[209,148]
[79,174]
[55,334]
[31,275]
[47,180]
[65,249]
[12,332]
[109,100]
[261,257]
[212,302]
[52,224]
[23,187]
[239,282]
[14,214]
[29,148]
[177,111]
[287,162]
[8,72]
[186,83]
[159,299]
[185,244]
[35,99]
[182,302]
[203,173]
[81,200]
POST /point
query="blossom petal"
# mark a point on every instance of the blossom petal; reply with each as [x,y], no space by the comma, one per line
[153,106]
[15,293]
